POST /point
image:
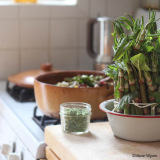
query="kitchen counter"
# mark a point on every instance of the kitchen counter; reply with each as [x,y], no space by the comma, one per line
[98,144]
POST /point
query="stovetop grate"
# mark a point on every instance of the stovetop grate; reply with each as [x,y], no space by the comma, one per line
[21,94]
[44,121]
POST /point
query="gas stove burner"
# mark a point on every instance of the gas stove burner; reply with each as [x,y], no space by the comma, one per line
[44,121]
[21,94]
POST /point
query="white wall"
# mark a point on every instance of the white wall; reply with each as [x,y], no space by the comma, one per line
[33,34]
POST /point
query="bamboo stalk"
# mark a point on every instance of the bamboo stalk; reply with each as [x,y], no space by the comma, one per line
[150,86]
[133,112]
[126,83]
[121,81]
[158,107]
[143,94]
[121,89]
[115,85]
[126,89]
[127,110]
[132,84]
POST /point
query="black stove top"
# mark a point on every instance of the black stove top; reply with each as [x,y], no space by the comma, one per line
[21,94]
[44,121]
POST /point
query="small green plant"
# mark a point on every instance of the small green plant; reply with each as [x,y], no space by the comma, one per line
[136,68]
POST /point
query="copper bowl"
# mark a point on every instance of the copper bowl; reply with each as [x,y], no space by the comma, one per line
[49,96]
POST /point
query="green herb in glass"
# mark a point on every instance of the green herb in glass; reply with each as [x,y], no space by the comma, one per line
[75,117]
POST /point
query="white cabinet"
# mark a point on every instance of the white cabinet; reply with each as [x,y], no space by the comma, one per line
[8,136]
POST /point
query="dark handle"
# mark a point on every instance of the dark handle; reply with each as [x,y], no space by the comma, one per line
[90,37]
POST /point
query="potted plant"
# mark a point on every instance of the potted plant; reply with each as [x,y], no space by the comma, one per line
[136,68]
[134,114]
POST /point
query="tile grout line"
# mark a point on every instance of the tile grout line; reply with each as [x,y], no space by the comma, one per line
[45,48]
[19,39]
[106,10]
[79,47]
[78,29]
[49,36]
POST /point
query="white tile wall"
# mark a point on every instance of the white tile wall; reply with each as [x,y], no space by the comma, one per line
[64,59]
[9,34]
[9,63]
[85,61]
[98,8]
[33,34]
[38,11]
[118,8]
[82,32]
[8,11]
[81,10]
[136,4]
[32,59]
[64,33]
[67,12]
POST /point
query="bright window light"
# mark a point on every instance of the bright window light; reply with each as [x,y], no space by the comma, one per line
[47,2]
[59,2]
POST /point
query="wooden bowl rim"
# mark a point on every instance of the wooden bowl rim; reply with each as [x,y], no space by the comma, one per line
[74,71]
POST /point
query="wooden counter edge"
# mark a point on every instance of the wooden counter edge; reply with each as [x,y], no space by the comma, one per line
[50,155]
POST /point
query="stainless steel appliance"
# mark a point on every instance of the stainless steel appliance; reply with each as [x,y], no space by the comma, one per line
[105,55]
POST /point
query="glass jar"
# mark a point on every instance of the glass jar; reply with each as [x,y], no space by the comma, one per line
[75,117]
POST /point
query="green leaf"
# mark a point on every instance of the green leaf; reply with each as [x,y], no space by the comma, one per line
[126,26]
[157,47]
[142,26]
[118,28]
[114,37]
[114,50]
[126,100]
[130,17]
[126,61]
[126,20]
[121,45]
[153,35]
[122,49]
[136,26]
[157,19]
[112,34]
[157,96]
[121,65]
[116,91]
[112,71]
[136,33]
[149,48]
[139,61]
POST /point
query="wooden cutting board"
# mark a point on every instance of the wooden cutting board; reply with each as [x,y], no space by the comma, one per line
[98,144]
[50,155]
